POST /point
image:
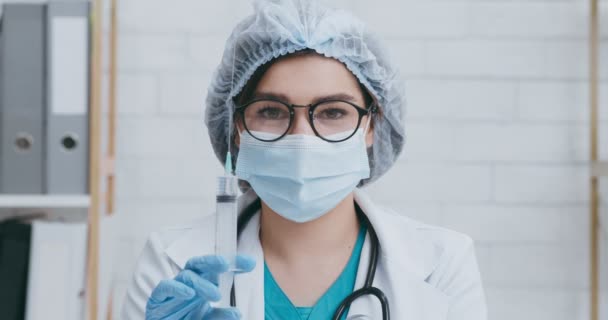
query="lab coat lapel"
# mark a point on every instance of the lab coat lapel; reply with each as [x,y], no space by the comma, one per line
[250,286]
[406,260]
[196,241]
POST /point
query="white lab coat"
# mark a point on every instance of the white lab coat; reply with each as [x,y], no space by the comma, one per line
[427,273]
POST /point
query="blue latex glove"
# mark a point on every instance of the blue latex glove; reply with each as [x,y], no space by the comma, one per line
[187,296]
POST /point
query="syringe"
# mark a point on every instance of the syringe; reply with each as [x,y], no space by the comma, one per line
[226,228]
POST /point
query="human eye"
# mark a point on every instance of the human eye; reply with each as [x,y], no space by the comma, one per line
[270,112]
[267,110]
[333,111]
[332,114]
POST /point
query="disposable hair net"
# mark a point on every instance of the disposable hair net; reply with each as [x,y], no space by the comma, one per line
[279,27]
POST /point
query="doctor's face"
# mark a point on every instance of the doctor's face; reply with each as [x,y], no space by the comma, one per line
[307,79]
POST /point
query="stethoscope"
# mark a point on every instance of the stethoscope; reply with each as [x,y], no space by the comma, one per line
[367,289]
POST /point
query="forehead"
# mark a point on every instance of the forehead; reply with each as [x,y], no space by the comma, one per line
[302,77]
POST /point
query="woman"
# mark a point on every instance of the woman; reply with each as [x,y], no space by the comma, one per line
[316,108]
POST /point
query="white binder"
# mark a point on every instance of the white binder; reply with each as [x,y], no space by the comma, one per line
[57,268]
[67,125]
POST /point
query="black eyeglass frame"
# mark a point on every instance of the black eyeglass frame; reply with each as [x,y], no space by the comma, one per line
[372,109]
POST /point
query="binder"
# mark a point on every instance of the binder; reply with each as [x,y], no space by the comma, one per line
[14,261]
[67,97]
[22,94]
[55,288]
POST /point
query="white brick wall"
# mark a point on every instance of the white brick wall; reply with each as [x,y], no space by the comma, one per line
[497,126]
[497,132]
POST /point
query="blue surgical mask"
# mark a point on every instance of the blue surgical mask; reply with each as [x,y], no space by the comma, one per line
[301,177]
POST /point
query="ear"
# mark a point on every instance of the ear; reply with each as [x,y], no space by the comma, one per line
[238,128]
[237,138]
[369,136]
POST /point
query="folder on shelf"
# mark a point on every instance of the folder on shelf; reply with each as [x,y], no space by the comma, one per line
[57,266]
[14,261]
[67,124]
[22,97]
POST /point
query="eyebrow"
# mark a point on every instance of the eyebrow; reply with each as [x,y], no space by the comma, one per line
[283,97]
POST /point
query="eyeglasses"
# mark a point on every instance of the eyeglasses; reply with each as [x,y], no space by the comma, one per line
[331,120]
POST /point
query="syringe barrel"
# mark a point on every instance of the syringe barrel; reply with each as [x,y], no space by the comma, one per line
[227,186]
[226,232]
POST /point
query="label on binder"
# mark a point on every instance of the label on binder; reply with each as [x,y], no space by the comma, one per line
[69,66]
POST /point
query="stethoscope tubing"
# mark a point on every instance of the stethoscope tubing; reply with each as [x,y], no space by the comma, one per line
[367,289]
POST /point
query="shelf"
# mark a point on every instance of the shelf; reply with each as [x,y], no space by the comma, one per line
[44,201]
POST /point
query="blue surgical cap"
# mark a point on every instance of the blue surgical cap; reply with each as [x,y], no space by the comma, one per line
[279,27]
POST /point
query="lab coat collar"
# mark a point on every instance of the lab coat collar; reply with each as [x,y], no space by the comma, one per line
[405,248]
[407,259]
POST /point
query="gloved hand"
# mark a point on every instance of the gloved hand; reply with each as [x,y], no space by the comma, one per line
[187,296]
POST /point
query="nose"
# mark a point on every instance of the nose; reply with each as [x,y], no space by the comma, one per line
[300,124]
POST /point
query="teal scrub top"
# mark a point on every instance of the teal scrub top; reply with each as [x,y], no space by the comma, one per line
[278,306]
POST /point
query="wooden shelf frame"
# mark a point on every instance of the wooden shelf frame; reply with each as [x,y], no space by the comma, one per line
[101,166]
[598,168]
